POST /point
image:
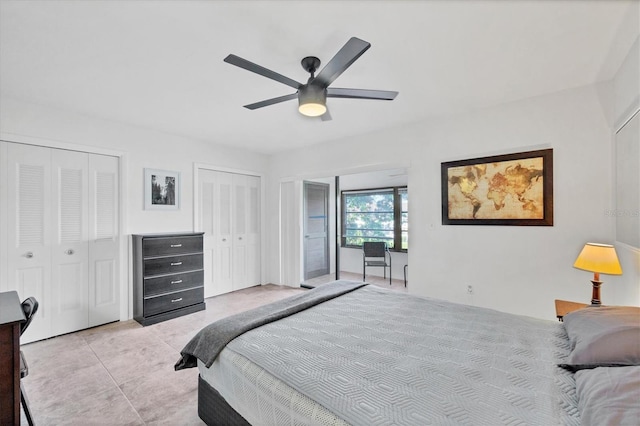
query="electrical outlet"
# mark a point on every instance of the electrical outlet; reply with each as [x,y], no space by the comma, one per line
[470,289]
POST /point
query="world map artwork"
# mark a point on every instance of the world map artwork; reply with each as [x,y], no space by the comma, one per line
[503,190]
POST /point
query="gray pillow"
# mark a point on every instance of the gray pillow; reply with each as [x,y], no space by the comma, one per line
[603,336]
[609,396]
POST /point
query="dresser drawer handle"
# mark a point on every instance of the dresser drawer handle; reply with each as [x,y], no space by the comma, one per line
[176,263]
[176,300]
[176,282]
[176,245]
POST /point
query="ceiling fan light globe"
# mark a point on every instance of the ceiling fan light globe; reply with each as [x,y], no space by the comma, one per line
[312,100]
[312,109]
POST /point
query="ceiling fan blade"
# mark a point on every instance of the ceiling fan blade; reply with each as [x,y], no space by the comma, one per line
[250,66]
[385,95]
[272,101]
[342,60]
[326,116]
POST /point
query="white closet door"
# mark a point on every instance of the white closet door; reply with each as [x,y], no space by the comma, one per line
[29,193]
[246,231]
[70,248]
[223,275]
[240,249]
[253,230]
[206,184]
[104,291]
[215,222]
[60,243]
[230,218]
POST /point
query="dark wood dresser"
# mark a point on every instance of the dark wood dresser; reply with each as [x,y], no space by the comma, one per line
[168,276]
[11,315]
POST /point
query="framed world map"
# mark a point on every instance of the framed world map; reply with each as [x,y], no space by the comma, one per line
[510,189]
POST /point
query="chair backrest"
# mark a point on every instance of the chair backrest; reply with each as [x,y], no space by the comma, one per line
[374,249]
[29,307]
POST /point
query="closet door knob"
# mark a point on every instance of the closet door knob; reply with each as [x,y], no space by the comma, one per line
[240,238]
[224,239]
[69,252]
[29,255]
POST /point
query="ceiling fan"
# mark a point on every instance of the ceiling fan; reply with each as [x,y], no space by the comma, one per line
[312,96]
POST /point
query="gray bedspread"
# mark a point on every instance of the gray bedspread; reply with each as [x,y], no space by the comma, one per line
[377,357]
[207,344]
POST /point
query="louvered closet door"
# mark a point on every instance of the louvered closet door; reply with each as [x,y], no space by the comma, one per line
[240,207]
[215,222]
[28,231]
[246,231]
[230,218]
[61,242]
[253,230]
[70,248]
[104,241]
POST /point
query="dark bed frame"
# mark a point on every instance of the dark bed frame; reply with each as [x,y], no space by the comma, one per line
[214,410]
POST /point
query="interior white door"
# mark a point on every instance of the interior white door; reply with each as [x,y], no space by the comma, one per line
[229,215]
[104,240]
[61,243]
[252,235]
[28,182]
[70,248]
[246,231]
[240,255]
[215,222]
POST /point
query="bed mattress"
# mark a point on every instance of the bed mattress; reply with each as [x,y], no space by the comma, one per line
[373,356]
[260,397]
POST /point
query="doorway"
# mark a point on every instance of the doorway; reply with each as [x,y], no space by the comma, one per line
[344,262]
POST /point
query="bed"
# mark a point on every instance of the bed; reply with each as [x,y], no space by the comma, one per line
[348,353]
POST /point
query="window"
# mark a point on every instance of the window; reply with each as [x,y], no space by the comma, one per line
[376,215]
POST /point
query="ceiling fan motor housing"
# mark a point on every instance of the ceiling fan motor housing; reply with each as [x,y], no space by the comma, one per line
[312,100]
[310,64]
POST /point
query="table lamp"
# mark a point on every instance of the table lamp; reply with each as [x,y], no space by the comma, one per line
[599,259]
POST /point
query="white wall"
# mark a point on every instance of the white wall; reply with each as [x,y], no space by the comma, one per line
[140,148]
[514,269]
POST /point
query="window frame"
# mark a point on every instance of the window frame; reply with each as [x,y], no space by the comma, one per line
[397,215]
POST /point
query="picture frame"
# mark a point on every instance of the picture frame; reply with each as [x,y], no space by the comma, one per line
[161,189]
[511,189]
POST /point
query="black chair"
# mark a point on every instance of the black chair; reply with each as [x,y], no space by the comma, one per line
[29,307]
[376,254]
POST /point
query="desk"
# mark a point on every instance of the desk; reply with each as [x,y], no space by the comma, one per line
[11,316]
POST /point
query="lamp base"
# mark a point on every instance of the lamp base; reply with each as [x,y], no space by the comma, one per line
[595,294]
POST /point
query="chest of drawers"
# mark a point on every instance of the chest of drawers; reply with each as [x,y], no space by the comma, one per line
[168,276]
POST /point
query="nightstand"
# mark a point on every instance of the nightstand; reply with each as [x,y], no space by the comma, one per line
[563,307]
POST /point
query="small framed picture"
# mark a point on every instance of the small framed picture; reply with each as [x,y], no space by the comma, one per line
[161,190]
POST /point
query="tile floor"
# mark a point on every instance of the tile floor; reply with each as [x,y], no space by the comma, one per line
[122,373]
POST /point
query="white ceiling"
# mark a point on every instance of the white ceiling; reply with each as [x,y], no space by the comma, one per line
[159,64]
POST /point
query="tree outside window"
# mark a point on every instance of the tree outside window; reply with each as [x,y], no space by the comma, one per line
[376,215]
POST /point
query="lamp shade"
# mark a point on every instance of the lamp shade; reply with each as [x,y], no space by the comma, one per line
[600,258]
